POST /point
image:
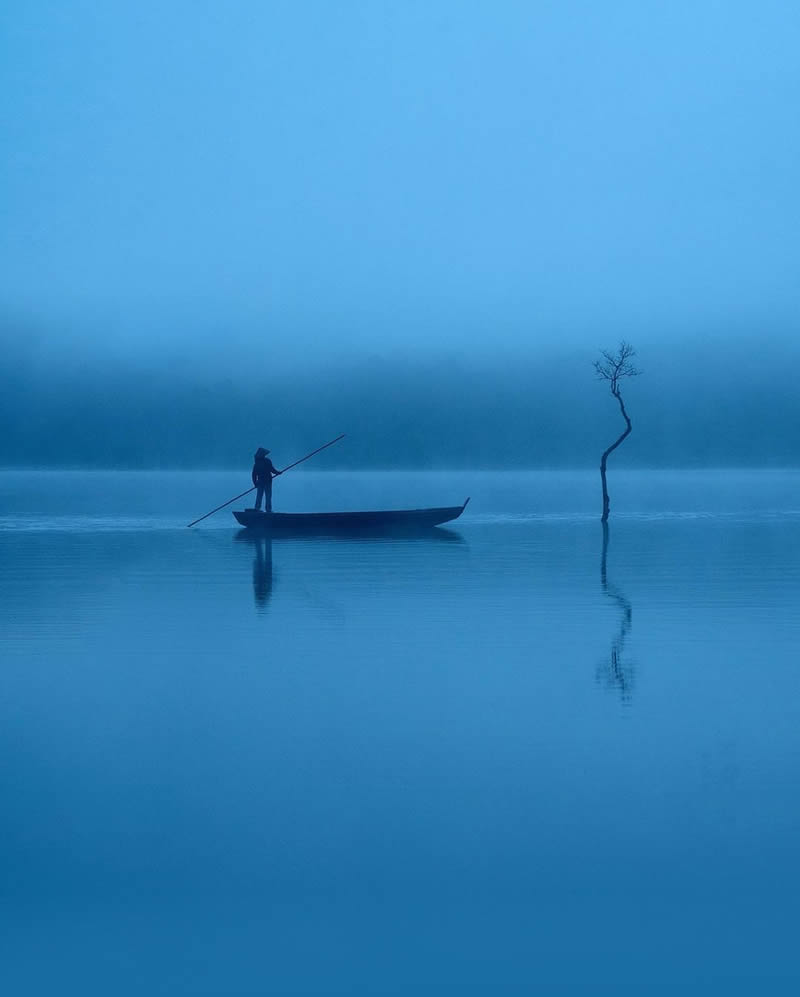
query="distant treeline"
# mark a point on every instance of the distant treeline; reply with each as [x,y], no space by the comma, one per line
[703,407]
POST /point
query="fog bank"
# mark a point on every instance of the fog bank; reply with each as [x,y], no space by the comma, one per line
[693,405]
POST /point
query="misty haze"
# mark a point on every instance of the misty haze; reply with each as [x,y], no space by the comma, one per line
[399,517]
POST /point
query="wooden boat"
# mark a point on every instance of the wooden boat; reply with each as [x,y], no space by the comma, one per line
[390,521]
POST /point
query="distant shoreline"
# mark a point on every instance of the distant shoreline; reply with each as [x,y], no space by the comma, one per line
[240,469]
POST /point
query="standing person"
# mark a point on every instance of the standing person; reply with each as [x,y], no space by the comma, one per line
[263,473]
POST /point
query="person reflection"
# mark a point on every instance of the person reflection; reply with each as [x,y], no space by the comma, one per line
[617,671]
[262,570]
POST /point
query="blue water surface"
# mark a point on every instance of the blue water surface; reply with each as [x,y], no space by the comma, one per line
[510,758]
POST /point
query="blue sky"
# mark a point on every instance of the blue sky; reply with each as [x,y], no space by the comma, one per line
[334,176]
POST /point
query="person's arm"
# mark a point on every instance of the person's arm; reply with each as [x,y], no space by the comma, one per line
[274,470]
[253,476]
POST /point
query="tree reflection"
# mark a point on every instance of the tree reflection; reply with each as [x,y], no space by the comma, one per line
[617,670]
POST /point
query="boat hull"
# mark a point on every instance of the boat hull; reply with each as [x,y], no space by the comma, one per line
[391,521]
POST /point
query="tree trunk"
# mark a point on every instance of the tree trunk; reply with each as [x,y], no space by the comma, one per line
[611,449]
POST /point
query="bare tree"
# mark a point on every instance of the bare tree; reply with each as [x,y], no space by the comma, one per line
[612,367]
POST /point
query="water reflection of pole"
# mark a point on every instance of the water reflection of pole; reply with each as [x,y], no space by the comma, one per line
[262,571]
[616,672]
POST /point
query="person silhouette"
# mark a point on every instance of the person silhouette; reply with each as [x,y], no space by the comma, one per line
[263,473]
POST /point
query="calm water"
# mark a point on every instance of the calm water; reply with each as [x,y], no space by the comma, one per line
[479,764]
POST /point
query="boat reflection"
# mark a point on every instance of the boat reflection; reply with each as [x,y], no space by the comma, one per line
[262,544]
[428,534]
[617,669]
